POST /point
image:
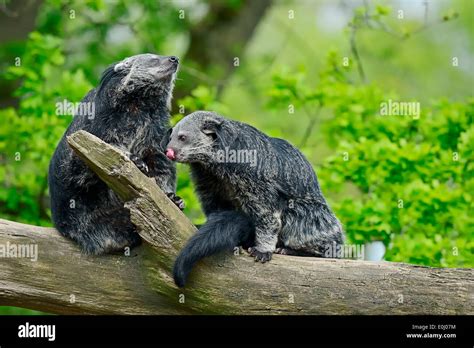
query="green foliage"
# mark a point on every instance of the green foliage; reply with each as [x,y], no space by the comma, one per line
[6,310]
[413,176]
[29,134]
[369,165]
[289,89]
[97,33]
[201,98]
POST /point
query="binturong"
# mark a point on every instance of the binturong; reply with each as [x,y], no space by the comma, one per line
[130,111]
[257,192]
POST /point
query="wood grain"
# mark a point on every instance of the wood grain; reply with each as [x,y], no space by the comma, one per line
[65,281]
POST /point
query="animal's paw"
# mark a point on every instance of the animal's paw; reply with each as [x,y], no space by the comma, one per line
[140,164]
[260,256]
[288,251]
[282,251]
[176,200]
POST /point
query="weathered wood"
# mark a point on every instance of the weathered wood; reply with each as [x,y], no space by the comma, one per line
[65,281]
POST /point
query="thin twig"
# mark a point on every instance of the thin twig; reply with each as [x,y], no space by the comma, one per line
[312,122]
[355,53]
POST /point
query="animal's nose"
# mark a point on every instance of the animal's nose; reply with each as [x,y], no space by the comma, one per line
[173,59]
[170,154]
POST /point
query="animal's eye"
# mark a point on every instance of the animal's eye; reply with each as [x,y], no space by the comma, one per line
[181,137]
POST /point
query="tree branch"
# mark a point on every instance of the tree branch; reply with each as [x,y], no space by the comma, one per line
[63,280]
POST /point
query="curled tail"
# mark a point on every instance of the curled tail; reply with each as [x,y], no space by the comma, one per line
[223,230]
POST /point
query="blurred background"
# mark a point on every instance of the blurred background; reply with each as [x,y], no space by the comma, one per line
[312,72]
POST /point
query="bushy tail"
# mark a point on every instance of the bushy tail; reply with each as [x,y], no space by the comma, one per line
[223,230]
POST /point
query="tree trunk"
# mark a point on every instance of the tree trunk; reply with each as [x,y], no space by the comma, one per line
[63,280]
[214,43]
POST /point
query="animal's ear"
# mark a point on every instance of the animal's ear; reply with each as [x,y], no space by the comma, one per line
[210,126]
[119,67]
[166,139]
[124,64]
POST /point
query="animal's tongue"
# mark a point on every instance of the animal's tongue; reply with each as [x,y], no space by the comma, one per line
[170,154]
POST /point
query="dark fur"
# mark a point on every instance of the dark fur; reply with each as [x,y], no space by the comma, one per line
[131,112]
[223,231]
[279,197]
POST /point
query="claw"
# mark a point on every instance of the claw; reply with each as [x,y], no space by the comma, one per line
[140,164]
[281,251]
[260,256]
[178,201]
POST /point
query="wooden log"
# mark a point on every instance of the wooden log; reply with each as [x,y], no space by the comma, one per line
[65,281]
